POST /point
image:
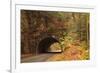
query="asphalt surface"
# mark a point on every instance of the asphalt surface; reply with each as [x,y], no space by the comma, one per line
[38,58]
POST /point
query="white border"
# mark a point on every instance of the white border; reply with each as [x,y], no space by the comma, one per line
[16,66]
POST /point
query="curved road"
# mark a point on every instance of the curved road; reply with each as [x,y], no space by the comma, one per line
[38,58]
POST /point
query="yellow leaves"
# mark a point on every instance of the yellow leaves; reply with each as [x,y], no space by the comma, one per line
[85,55]
[74,52]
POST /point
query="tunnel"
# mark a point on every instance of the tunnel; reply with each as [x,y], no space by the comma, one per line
[45,43]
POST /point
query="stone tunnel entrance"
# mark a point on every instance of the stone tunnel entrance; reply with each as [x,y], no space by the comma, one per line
[45,44]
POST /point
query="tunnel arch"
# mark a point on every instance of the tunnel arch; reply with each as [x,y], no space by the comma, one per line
[45,43]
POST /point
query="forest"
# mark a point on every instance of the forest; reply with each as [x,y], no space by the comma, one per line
[71,29]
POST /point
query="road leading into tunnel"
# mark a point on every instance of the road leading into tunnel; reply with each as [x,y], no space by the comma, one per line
[38,58]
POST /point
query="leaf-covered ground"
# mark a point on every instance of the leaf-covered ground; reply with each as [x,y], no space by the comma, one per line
[72,52]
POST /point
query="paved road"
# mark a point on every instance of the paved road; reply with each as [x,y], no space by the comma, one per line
[38,58]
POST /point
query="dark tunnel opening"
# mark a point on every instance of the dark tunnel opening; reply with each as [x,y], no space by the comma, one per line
[45,44]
